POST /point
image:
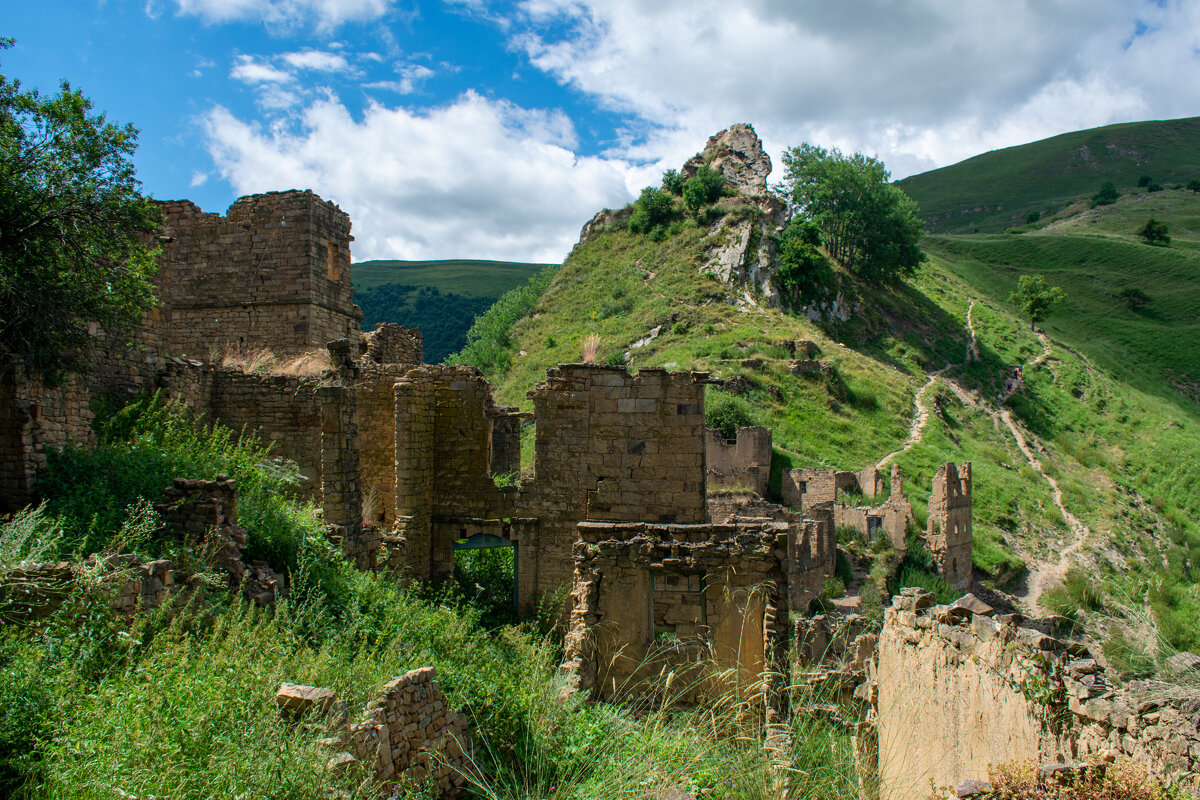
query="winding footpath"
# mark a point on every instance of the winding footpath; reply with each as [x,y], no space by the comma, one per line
[920,419]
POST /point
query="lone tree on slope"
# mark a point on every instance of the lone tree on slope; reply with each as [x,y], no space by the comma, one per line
[867,224]
[1035,298]
[1155,232]
[72,219]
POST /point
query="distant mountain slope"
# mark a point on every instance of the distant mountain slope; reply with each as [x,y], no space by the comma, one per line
[997,190]
[442,298]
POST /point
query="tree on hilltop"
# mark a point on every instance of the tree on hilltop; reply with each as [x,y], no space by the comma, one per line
[869,225]
[1035,298]
[72,219]
[1107,195]
[802,271]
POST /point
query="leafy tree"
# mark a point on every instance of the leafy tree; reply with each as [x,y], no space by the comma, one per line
[802,271]
[1134,298]
[1035,298]
[1107,195]
[1194,185]
[652,211]
[1155,232]
[868,224]
[1032,217]
[72,229]
[1145,180]
[703,188]
[673,182]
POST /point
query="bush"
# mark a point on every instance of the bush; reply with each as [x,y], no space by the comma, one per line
[489,340]
[726,413]
[1021,780]
[1107,195]
[803,272]
[1134,298]
[703,188]
[652,212]
[1032,217]
[672,182]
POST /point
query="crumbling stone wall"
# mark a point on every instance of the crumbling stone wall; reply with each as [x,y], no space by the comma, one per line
[813,489]
[390,343]
[610,446]
[956,688]
[33,418]
[948,535]
[203,516]
[35,591]
[744,463]
[408,734]
[811,560]
[687,598]
[273,272]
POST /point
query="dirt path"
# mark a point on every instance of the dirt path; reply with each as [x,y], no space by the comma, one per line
[1041,576]
[920,419]
[972,343]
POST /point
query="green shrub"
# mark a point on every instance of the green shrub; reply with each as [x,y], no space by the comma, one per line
[672,182]
[652,212]
[727,413]
[489,340]
[703,188]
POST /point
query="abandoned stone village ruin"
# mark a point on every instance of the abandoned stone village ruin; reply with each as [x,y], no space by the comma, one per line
[657,528]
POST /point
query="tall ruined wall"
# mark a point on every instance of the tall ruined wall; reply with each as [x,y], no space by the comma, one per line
[683,598]
[616,447]
[948,535]
[273,272]
[744,463]
[957,689]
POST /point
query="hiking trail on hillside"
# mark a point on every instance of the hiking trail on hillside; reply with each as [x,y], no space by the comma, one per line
[920,419]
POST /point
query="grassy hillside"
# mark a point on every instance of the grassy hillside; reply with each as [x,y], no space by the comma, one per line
[998,189]
[467,277]
[441,298]
[1102,410]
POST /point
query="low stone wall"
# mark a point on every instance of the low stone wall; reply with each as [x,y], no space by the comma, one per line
[408,734]
[35,591]
[956,688]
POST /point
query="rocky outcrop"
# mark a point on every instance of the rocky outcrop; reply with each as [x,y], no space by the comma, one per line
[737,153]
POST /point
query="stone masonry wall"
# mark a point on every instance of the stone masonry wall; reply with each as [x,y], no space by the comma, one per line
[33,418]
[956,688]
[273,272]
[687,598]
[203,516]
[745,463]
[612,446]
[948,535]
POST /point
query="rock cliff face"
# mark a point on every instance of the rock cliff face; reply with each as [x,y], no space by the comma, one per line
[737,153]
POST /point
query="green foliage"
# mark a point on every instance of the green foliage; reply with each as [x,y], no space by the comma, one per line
[726,413]
[1035,298]
[94,494]
[1155,232]
[1193,186]
[465,276]
[72,219]
[1032,217]
[673,182]
[1107,195]
[918,568]
[442,317]
[802,271]
[1134,297]
[703,188]
[489,340]
[868,224]
[1144,181]
[653,211]
[485,577]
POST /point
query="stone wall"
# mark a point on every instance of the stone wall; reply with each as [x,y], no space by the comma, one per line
[956,688]
[745,463]
[273,272]
[694,599]
[390,343]
[948,535]
[202,515]
[33,418]
[408,735]
[811,489]
[614,447]
[35,591]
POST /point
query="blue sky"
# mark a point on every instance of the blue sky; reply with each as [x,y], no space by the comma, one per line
[468,128]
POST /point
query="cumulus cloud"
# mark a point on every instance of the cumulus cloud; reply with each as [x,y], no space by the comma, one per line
[285,14]
[475,178]
[921,83]
[250,70]
[317,61]
[411,78]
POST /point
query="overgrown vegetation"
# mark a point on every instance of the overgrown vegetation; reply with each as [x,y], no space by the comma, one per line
[490,338]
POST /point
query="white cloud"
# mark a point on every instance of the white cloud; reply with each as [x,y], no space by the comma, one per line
[251,71]
[921,83]
[317,61]
[474,178]
[198,179]
[286,14]
[411,78]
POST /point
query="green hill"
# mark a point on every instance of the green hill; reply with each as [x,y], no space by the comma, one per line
[439,297]
[1105,408]
[999,189]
